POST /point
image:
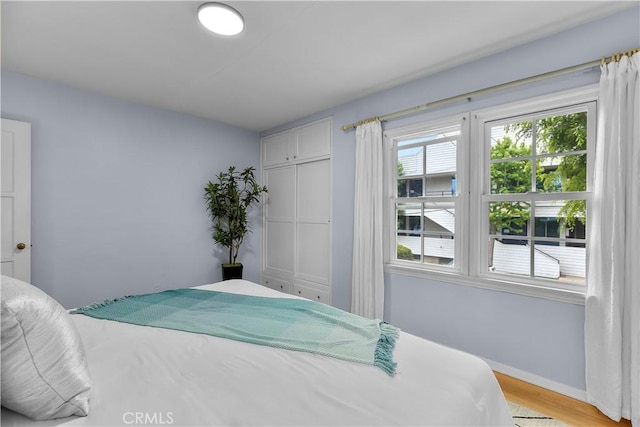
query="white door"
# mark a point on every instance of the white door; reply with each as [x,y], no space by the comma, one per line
[279,220]
[15,158]
[313,227]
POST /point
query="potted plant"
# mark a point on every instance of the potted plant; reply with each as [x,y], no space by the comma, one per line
[228,200]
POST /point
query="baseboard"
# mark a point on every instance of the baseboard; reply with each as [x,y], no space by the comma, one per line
[564,389]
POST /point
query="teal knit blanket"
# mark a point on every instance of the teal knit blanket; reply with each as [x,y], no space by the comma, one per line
[286,323]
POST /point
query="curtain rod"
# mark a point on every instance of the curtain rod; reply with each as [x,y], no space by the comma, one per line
[467,96]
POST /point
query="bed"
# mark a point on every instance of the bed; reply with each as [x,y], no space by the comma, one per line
[154,376]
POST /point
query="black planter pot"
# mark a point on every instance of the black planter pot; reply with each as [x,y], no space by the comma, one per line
[231,271]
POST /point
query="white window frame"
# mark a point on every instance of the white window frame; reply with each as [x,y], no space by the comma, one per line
[471,228]
[460,199]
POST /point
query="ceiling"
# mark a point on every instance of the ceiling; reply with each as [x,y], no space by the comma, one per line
[294,58]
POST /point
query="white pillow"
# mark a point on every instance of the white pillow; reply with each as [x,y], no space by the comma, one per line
[44,371]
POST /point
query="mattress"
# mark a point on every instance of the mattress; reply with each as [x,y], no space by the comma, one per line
[152,376]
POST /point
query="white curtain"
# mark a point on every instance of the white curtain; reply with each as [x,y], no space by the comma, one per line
[612,315]
[367,280]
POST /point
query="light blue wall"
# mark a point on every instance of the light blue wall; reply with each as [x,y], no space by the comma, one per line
[117,200]
[538,336]
[117,189]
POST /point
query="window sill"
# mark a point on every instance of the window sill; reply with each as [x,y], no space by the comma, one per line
[553,294]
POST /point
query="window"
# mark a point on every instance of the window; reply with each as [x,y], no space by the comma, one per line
[534,198]
[425,198]
[504,205]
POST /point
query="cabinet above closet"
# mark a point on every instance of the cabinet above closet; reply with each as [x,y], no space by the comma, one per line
[303,143]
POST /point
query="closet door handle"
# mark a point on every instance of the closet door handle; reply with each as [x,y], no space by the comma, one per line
[21,246]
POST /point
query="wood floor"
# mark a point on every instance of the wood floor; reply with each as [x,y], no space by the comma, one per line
[562,408]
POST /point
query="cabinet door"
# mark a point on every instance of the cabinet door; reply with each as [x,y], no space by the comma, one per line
[280,203]
[313,141]
[279,224]
[313,192]
[313,252]
[278,247]
[276,149]
[313,227]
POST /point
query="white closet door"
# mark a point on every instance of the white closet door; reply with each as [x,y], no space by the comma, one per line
[313,191]
[313,252]
[313,231]
[279,247]
[280,203]
[279,220]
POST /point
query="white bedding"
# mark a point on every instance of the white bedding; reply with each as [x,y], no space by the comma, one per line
[151,376]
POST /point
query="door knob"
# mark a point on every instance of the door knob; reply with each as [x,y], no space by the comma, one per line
[21,246]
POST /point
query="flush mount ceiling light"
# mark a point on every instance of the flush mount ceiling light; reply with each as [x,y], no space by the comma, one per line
[220,19]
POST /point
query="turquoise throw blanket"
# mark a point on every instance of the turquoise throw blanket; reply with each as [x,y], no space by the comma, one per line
[291,324]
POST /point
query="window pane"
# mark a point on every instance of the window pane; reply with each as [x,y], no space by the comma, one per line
[509,218]
[441,169]
[441,158]
[509,256]
[510,177]
[562,173]
[561,219]
[415,187]
[512,140]
[439,228]
[548,218]
[563,133]
[410,187]
[546,227]
[411,161]
[560,262]
[425,232]
[440,186]
[408,230]
[558,250]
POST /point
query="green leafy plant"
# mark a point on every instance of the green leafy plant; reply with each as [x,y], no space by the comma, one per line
[404,252]
[557,134]
[228,200]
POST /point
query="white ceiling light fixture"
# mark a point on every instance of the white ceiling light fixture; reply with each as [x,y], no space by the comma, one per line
[221,19]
